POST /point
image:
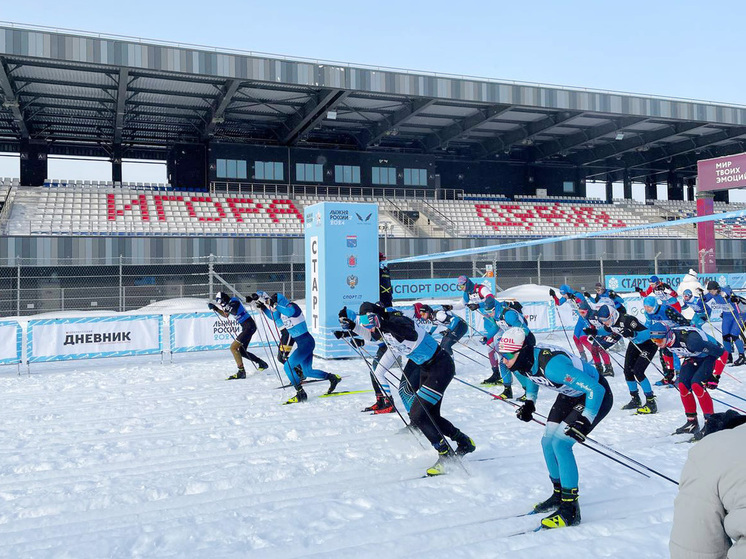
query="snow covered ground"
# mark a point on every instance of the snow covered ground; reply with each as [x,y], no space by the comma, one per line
[131,458]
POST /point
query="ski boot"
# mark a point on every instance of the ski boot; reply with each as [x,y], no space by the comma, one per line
[599,368]
[300,396]
[262,366]
[730,358]
[740,361]
[691,426]
[608,370]
[381,402]
[634,403]
[495,378]
[507,394]
[239,375]
[440,467]
[465,444]
[667,379]
[387,407]
[522,398]
[568,513]
[333,382]
[650,406]
[553,502]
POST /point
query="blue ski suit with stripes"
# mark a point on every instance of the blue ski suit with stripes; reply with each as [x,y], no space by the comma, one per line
[582,391]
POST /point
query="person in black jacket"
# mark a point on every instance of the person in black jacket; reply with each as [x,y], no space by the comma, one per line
[386,296]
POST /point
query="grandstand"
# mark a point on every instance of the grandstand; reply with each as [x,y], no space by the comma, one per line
[94,209]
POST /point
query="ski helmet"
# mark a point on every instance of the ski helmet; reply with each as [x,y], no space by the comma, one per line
[599,285]
[584,307]
[381,257]
[607,314]
[511,341]
[712,285]
[222,298]
[651,302]
[565,289]
[368,307]
[489,306]
[654,279]
[659,331]
[687,294]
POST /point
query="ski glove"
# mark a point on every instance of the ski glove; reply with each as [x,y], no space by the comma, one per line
[526,411]
[260,306]
[473,306]
[252,297]
[212,306]
[346,323]
[484,340]
[283,353]
[579,428]
[552,294]
[712,384]
[589,331]
[447,307]
[586,295]
[638,289]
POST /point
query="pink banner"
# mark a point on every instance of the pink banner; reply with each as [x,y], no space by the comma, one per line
[721,173]
[706,237]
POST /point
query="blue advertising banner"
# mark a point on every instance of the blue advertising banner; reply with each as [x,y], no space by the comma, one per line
[432,288]
[341,242]
[624,284]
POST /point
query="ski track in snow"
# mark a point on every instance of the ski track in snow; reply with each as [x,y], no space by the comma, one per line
[133,458]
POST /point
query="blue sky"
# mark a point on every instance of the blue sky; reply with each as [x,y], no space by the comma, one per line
[672,48]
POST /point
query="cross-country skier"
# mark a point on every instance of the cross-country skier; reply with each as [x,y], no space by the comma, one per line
[573,298]
[381,385]
[451,326]
[227,306]
[702,363]
[596,347]
[584,400]
[655,311]
[386,293]
[662,291]
[473,293]
[497,318]
[697,307]
[732,326]
[604,296]
[640,351]
[298,362]
[404,338]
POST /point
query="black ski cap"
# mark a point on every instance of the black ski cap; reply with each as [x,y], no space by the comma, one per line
[367,307]
[712,284]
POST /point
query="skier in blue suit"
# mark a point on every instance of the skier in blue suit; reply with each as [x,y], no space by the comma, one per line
[298,362]
[584,400]
[724,300]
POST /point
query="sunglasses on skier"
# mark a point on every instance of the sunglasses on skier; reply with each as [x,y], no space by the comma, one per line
[508,356]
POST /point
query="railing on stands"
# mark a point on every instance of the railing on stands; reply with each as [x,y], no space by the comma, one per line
[372,192]
[5,208]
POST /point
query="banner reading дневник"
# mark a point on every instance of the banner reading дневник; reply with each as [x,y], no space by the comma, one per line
[59,339]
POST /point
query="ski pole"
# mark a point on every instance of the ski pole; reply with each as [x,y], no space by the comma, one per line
[464,355]
[370,368]
[496,397]
[562,324]
[730,394]
[422,405]
[272,357]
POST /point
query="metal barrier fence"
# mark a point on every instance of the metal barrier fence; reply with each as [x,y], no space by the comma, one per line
[27,289]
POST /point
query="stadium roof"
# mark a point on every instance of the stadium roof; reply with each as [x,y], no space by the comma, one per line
[91,94]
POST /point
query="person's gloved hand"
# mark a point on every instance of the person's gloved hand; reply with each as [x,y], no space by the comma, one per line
[447,307]
[552,294]
[346,323]
[484,341]
[526,411]
[586,295]
[713,382]
[252,297]
[638,289]
[283,353]
[579,429]
[473,306]
[212,306]
[260,306]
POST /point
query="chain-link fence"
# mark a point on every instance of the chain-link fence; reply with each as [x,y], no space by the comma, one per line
[28,289]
